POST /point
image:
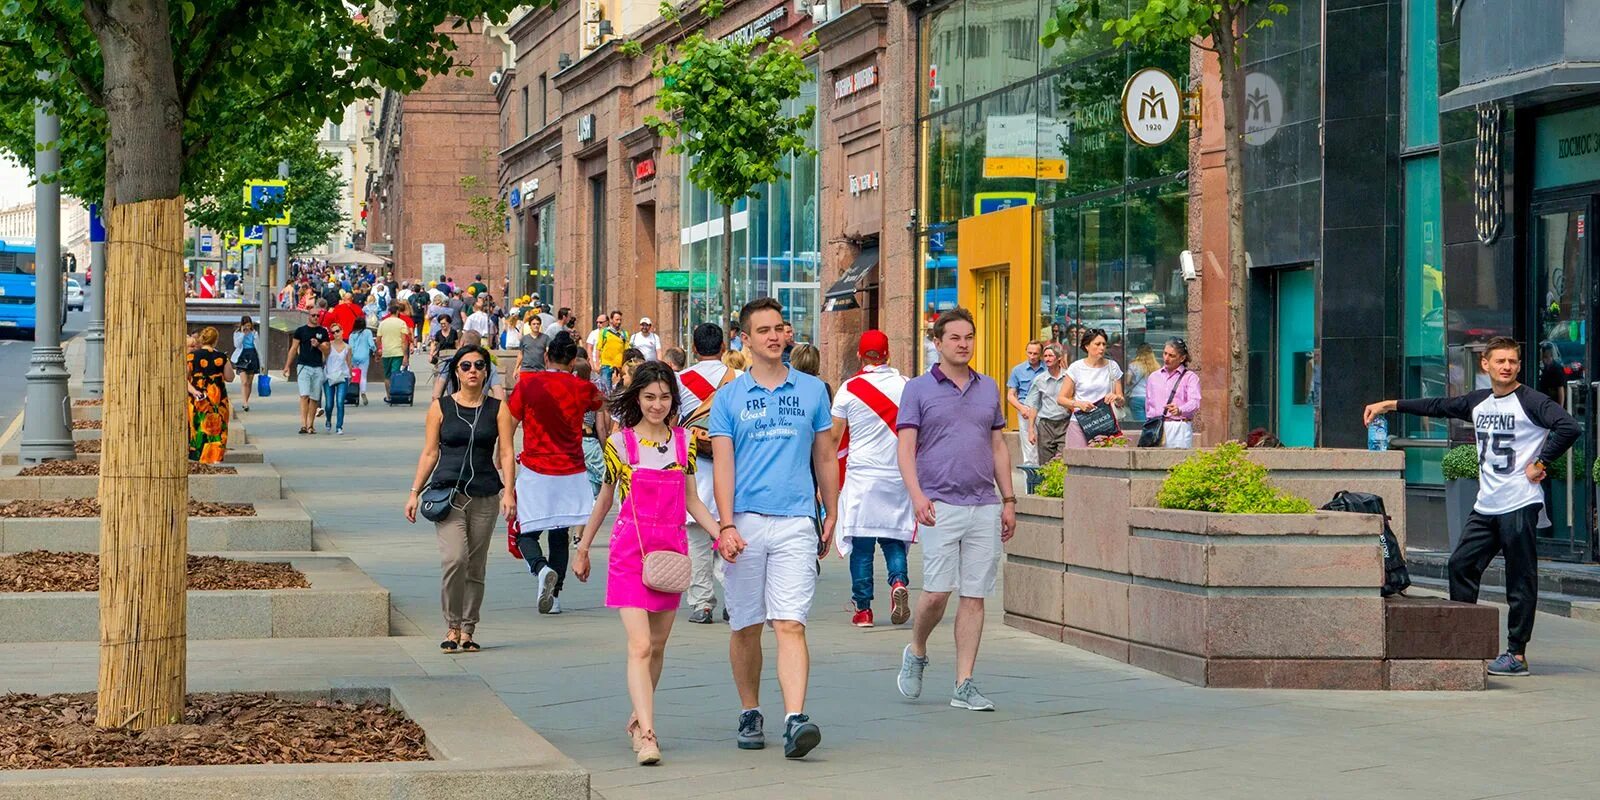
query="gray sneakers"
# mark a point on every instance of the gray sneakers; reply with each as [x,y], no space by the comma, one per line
[966,696]
[910,678]
[751,737]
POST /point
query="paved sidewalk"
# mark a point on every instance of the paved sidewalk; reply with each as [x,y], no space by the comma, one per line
[1069,724]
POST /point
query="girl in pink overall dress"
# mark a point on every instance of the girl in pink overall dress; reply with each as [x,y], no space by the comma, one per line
[657,489]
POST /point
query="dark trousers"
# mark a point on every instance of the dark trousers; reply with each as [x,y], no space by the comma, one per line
[1482,538]
[559,539]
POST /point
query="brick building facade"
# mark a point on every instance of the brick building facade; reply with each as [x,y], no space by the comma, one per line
[426,141]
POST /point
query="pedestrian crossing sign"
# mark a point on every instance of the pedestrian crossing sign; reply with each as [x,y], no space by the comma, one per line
[253,234]
[262,193]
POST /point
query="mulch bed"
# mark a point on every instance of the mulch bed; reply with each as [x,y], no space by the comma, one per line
[91,402]
[67,468]
[86,424]
[57,731]
[90,507]
[86,446]
[43,571]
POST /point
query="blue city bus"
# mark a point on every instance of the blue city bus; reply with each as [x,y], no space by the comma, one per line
[17,302]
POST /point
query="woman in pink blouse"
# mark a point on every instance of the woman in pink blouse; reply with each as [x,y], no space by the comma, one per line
[1173,393]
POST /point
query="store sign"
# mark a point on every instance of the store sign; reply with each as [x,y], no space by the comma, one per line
[644,169]
[433,256]
[1025,146]
[1263,108]
[683,280]
[855,82]
[530,188]
[758,28]
[516,197]
[382,249]
[586,128]
[863,183]
[1151,107]
[1566,148]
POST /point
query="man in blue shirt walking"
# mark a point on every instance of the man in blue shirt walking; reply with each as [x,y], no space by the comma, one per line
[1017,385]
[765,430]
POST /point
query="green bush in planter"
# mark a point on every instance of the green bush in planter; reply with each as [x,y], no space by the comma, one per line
[1225,481]
[1052,479]
[1461,462]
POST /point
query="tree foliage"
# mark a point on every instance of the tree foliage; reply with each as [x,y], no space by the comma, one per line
[313,197]
[1201,23]
[247,71]
[485,223]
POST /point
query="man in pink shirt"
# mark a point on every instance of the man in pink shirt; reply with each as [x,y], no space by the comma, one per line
[1173,394]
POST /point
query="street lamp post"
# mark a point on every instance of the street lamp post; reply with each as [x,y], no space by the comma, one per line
[283,233]
[94,336]
[47,413]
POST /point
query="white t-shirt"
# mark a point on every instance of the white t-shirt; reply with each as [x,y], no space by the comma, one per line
[872,445]
[1093,383]
[480,322]
[593,340]
[712,371]
[648,344]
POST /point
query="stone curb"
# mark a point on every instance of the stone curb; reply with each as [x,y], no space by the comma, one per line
[237,454]
[342,602]
[278,526]
[236,434]
[253,482]
[481,750]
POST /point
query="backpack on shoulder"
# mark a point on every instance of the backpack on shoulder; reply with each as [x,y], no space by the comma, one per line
[1396,578]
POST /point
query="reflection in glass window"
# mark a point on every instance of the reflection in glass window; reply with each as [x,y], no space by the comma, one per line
[1423,341]
[941,60]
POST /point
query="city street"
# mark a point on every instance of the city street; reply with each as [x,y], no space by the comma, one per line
[14,354]
[1069,724]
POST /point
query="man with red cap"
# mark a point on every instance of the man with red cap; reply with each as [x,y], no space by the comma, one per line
[874,508]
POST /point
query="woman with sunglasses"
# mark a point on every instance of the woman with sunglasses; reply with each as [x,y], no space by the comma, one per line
[1090,380]
[461,450]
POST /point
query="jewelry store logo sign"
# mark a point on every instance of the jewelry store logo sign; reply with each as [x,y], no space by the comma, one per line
[1151,107]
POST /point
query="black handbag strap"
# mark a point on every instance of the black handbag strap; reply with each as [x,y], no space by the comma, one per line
[1174,392]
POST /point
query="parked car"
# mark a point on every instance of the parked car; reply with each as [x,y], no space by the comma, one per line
[74,295]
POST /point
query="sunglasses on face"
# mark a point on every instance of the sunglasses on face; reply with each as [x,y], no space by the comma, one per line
[472,366]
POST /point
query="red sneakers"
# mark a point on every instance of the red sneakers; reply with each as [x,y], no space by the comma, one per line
[899,604]
[862,619]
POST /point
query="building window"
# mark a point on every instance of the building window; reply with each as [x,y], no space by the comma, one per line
[333,131]
[544,101]
[524,111]
[1425,361]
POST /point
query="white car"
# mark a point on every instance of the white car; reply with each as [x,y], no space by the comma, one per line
[74,295]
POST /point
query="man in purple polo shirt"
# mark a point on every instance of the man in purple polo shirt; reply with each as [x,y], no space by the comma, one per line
[948,417]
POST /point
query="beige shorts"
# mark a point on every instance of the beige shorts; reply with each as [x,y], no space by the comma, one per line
[961,553]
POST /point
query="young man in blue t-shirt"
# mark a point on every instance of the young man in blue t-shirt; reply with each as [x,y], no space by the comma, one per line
[764,434]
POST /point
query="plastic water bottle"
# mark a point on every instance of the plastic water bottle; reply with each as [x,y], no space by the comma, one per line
[1378,434]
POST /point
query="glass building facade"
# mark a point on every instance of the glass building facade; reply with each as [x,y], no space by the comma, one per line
[776,243]
[1112,215]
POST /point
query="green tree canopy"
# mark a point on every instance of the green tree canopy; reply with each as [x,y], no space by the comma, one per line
[313,197]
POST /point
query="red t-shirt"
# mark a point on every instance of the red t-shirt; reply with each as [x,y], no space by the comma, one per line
[551,406]
[345,313]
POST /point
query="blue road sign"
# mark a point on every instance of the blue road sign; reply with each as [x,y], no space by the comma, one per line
[206,242]
[97,226]
[262,193]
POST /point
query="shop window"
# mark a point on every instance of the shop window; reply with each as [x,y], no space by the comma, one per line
[941,61]
[1422,74]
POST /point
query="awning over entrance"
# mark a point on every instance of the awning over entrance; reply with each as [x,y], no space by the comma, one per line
[842,295]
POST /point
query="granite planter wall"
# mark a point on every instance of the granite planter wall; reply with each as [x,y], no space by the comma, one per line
[1228,600]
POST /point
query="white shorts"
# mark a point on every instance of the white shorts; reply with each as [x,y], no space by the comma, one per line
[961,553]
[776,575]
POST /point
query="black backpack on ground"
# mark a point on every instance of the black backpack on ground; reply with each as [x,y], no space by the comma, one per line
[1396,578]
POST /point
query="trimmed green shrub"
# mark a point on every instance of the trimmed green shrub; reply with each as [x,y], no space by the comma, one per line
[1052,479]
[1460,462]
[1225,481]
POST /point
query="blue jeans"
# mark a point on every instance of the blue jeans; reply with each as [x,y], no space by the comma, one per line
[333,403]
[894,557]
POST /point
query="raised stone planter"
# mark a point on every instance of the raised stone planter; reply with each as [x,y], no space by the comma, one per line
[252,483]
[279,525]
[236,454]
[236,433]
[1223,600]
[480,749]
[342,601]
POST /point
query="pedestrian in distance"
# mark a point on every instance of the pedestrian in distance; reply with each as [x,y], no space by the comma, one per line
[650,462]
[1090,380]
[1140,368]
[698,387]
[308,352]
[592,343]
[874,509]
[767,431]
[394,342]
[1519,432]
[947,418]
[1017,385]
[1173,394]
[675,358]
[246,359]
[1049,417]
[335,376]
[209,373]
[461,448]
[530,349]
[551,489]
[611,342]
[595,429]
[362,345]
[646,340]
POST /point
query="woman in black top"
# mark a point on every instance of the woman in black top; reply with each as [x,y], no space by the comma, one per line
[461,450]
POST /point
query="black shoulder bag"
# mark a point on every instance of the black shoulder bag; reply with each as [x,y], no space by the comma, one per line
[1154,432]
